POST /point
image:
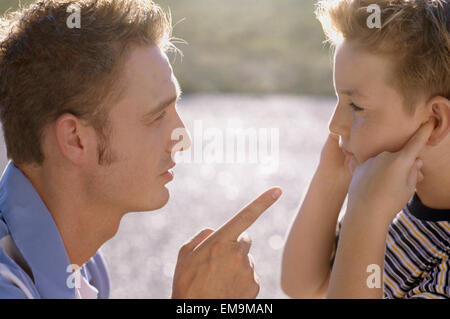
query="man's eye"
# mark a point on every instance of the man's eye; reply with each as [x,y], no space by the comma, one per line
[161,116]
[355,107]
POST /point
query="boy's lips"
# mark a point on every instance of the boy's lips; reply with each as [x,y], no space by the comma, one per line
[347,152]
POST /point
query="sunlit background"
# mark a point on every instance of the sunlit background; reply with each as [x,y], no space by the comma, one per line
[255,64]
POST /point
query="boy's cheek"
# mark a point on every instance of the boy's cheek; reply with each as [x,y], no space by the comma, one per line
[367,148]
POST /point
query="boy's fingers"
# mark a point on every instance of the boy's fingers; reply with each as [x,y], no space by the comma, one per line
[415,176]
[418,140]
[248,215]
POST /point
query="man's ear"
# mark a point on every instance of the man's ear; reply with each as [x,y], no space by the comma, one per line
[71,138]
[439,108]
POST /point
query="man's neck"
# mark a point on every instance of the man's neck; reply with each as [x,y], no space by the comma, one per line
[84,225]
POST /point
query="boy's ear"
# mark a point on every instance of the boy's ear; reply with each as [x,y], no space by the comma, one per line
[439,107]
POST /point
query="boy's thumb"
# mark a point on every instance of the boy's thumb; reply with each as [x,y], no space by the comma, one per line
[415,175]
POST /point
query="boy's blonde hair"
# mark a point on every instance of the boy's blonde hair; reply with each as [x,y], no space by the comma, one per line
[413,33]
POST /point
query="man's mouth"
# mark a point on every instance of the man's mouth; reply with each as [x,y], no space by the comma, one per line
[168,173]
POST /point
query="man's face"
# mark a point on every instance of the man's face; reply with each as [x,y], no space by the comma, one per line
[140,128]
[369,117]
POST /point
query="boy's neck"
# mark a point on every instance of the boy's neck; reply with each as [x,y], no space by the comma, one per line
[434,190]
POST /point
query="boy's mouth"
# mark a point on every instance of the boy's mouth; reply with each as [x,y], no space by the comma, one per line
[344,149]
[347,152]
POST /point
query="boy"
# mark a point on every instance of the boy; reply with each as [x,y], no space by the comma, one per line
[389,81]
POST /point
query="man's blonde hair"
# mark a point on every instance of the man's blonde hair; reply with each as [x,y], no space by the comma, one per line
[413,33]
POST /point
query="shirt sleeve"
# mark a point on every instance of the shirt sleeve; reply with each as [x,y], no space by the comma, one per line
[14,284]
[336,240]
[8,290]
[436,284]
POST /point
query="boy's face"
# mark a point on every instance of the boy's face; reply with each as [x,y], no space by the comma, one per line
[370,117]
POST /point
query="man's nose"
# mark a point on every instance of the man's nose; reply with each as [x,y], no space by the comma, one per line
[340,121]
[180,139]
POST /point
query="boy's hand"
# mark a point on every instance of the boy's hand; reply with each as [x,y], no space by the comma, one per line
[384,184]
[334,163]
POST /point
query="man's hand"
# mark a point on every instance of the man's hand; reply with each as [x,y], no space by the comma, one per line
[387,181]
[217,264]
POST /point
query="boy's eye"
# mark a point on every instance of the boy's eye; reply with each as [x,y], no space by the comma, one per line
[355,107]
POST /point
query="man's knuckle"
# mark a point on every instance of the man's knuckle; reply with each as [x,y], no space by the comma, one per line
[245,244]
[238,259]
[250,273]
[251,262]
[255,289]
[184,249]
[216,249]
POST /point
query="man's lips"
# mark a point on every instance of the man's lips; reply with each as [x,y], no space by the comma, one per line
[168,170]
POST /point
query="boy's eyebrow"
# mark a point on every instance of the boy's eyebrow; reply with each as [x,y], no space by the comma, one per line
[351,92]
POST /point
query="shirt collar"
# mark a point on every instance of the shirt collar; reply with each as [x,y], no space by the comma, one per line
[35,234]
[420,211]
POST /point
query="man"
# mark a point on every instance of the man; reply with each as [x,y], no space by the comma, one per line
[88,113]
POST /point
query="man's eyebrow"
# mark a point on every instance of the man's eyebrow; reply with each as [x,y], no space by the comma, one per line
[161,106]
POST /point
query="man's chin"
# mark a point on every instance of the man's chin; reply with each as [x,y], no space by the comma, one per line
[160,201]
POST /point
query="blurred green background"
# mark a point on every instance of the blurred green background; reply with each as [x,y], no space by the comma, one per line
[251,46]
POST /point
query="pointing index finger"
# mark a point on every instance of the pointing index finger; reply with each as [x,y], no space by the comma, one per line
[248,215]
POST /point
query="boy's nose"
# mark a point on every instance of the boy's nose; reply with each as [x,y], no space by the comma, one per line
[340,122]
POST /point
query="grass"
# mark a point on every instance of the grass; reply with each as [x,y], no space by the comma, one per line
[251,46]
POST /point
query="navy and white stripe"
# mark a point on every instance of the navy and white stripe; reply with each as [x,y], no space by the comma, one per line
[417,261]
[417,253]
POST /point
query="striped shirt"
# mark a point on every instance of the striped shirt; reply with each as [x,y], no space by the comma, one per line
[416,263]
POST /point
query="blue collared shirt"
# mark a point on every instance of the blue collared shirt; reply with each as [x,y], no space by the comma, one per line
[33,260]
